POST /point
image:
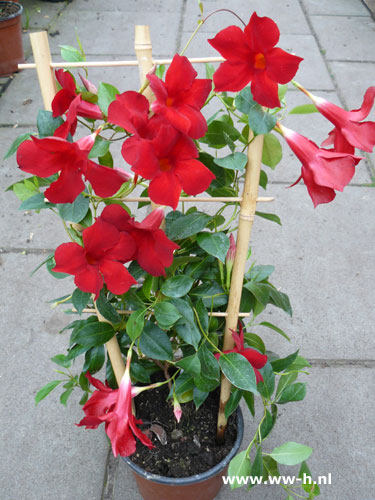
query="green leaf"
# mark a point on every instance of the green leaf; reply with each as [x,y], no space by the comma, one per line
[184,383]
[50,264]
[280,364]
[24,190]
[212,295]
[107,310]
[154,342]
[294,392]
[249,399]
[239,467]
[270,467]
[202,313]
[80,300]
[218,133]
[271,217]
[261,291]
[186,225]
[291,453]
[257,467]
[263,179]
[61,360]
[35,202]
[199,397]
[166,314]
[284,381]
[100,147]
[260,121]
[177,286]
[304,109]
[281,300]
[209,377]
[233,402]
[14,146]
[160,70]
[70,54]
[260,273]
[307,483]
[94,359]
[135,323]
[106,94]
[216,244]
[238,371]
[65,396]
[191,364]
[267,425]
[47,124]
[76,211]
[275,328]
[186,326]
[234,161]
[210,69]
[254,340]
[272,151]
[94,334]
[267,387]
[299,363]
[44,391]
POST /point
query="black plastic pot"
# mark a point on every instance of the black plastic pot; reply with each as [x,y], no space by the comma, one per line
[11,50]
[204,486]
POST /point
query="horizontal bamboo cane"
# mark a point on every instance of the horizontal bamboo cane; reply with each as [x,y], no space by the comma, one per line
[110,64]
[90,310]
[195,199]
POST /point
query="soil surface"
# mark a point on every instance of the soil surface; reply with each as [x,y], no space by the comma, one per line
[185,448]
[7,9]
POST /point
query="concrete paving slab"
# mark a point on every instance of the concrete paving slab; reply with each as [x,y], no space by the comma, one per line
[346,399]
[323,261]
[116,31]
[39,14]
[42,445]
[289,16]
[159,6]
[345,38]
[335,8]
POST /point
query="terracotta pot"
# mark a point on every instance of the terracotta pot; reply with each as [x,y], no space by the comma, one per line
[11,50]
[204,486]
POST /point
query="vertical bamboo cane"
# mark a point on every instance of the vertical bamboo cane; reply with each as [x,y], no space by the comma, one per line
[246,217]
[143,51]
[42,56]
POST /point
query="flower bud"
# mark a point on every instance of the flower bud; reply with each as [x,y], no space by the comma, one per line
[177,408]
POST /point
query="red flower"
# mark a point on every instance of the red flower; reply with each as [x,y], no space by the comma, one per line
[255,358]
[181,96]
[99,260]
[115,409]
[169,161]
[348,133]
[323,171]
[45,157]
[130,111]
[251,56]
[64,97]
[153,250]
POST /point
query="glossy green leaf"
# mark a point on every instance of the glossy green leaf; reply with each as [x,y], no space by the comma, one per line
[177,286]
[187,225]
[281,364]
[199,397]
[80,300]
[257,466]
[299,364]
[209,377]
[106,94]
[106,309]
[35,202]
[260,121]
[61,360]
[94,359]
[216,244]
[260,273]
[304,109]
[14,146]
[190,364]
[186,327]
[50,264]
[238,371]
[267,387]
[284,381]
[234,161]
[219,133]
[166,314]
[184,383]
[272,151]
[154,342]
[291,453]
[212,295]
[239,468]
[44,391]
[266,425]
[233,402]
[294,392]
[249,399]
[135,323]
[100,147]
[47,124]
[271,217]
[253,340]
[76,211]
[275,329]
[70,54]
[94,334]
[65,396]
[308,484]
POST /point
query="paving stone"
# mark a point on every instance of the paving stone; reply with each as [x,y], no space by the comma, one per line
[47,455]
[289,16]
[345,38]
[335,7]
[39,14]
[116,31]
[156,6]
[346,399]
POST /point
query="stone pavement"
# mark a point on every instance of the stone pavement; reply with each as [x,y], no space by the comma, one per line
[323,257]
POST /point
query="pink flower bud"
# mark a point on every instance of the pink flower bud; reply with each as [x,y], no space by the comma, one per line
[88,85]
[177,408]
[232,250]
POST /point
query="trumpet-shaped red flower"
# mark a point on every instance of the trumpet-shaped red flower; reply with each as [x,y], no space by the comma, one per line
[100,259]
[251,56]
[255,358]
[115,409]
[153,250]
[45,157]
[130,111]
[348,133]
[169,161]
[323,171]
[180,98]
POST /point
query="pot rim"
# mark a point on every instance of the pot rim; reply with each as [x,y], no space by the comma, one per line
[15,14]
[197,478]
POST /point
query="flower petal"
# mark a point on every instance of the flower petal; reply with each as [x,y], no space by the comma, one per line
[180,75]
[99,238]
[117,216]
[116,276]
[165,189]
[69,258]
[231,44]
[261,33]
[89,280]
[67,187]
[105,181]
[129,111]
[232,76]
[265,91]
[32,159]
[281,66]
[194,176]
[318,194]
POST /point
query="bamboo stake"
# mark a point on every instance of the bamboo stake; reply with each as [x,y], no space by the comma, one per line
[194,199]
[246,217]
[42,56]
[109,64]
[89,310]
[143,50]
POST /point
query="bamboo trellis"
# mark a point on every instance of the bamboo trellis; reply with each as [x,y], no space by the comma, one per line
[143,49]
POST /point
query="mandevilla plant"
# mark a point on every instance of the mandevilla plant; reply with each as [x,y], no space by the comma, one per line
[152,290]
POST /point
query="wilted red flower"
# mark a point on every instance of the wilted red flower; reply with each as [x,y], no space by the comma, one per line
[348,133]
[251,56]
[45,157]
[99,260]
[113,406]
[255,358]
[323,170]
[180,98]
[169,161]
[152,249]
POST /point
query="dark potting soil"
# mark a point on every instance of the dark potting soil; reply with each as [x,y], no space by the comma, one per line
[185,448]
[7,9]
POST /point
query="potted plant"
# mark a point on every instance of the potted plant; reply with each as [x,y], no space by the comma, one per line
[166,357]
[11,50]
